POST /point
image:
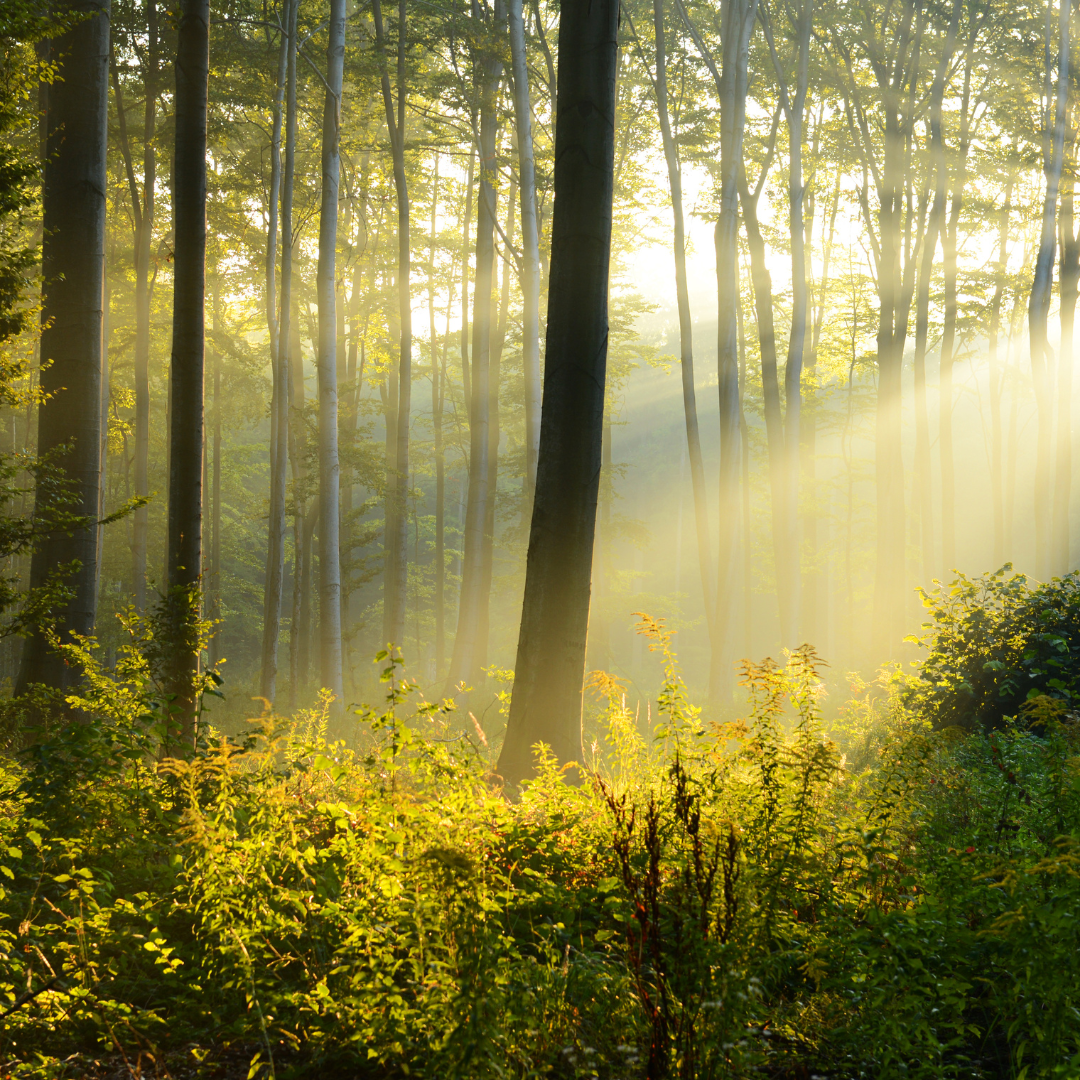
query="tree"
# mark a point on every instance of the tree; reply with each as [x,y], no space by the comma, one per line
[279,332]
[186,367]
[550,667]
[73,269]
[329,470]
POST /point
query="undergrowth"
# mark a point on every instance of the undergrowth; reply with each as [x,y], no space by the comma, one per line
[752,898]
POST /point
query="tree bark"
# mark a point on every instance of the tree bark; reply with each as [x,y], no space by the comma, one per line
[73,269]
[330,670]
[186,368]
[214,607]
[280,332]
[396,572]
[550,667]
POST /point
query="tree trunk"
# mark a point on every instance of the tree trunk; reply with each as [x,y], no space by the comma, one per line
[948,337]
[73,269]
[214,647]
[996,375]
[731,79]
[467,655]
[439,563]
[1070,279]
[686,325]
[495,432]
[1042,282]
[186,368]
[280,333]
[466,252]
[547,697]
[330,671]
[142,207]
[530,245]
[794,107]
[396,578]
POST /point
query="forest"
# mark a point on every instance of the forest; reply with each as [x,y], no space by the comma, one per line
[537,539]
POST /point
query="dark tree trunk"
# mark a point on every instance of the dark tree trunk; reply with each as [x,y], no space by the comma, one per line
[279,348]
[550,667]
[73,269]
[330,670]
[186,368]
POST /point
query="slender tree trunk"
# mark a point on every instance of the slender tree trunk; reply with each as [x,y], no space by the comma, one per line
[530,245]
[1042,281]
[794,108]
[731,80]
[330,671]
[396,579]
[279,349]
[73,269]
[550,666]
[144,231]
[466,254]
[948,338]
[186,368]
[779,475]
[996,375]
[214,653]
[1070,279]
[467,656]
[495,432]
[439,564]
[686,326]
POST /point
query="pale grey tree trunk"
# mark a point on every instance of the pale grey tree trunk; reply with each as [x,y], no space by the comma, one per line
[530,244]
[279,352]
[329,468]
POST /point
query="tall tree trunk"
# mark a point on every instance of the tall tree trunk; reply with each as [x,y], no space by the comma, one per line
[774,421]
[73,269]
[996,375]
[467,655]
[466,254]
[186,368]
[793,103]
[397,565]
[439,563]
[1070,279]
[948,335]
[214,647]
[550,667]
[495,431]
[731,80]
[530,245]
[686,325]
[142,208]
[1042,281]
[280,332]
[330,671]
